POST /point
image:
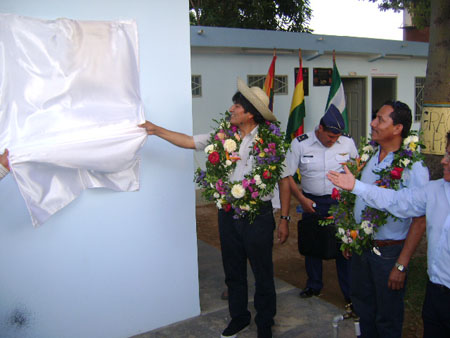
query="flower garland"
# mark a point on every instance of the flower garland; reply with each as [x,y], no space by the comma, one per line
[242,197]
[355,237]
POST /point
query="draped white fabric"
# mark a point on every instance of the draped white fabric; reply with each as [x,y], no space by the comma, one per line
[69,108]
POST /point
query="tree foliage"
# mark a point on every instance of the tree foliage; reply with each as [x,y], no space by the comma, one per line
[286,15]
[420,10]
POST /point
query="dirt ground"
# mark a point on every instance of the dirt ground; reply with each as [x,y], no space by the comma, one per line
[289,265]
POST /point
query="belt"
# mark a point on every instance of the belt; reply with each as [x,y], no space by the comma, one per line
[387,242]
[443,288]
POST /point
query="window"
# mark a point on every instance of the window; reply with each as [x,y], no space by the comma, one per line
[305,79]
[420,82]
[196,85]
[322,76]
[280,83]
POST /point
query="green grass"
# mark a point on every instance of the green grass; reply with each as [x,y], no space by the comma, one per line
[415,294]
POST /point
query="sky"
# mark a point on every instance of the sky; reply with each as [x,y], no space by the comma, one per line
[355,18]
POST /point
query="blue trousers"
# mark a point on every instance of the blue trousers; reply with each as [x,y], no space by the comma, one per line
[436,311]
[380,309]
[241,240]
[314,266]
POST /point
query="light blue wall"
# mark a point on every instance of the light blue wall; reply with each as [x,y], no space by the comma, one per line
[111,264]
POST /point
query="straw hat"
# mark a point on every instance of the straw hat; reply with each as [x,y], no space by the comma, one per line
[258,98]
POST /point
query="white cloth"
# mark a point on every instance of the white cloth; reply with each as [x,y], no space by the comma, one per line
[69,108]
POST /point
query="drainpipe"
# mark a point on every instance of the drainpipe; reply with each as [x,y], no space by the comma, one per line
[336,321]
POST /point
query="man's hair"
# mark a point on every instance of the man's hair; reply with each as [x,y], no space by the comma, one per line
[400,115]
[238,98]
[448,138]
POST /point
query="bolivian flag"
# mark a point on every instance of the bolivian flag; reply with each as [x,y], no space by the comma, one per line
[268,83]
[297,112]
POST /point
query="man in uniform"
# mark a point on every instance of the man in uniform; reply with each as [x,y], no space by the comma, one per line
[241,240]
[314,154]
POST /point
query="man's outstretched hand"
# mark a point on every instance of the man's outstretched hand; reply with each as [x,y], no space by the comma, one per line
[344,181]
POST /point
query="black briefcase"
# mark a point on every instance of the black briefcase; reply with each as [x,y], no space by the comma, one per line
[316,240]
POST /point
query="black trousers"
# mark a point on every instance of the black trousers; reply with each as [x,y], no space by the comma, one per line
[314,266]
[436,311]
[240,241]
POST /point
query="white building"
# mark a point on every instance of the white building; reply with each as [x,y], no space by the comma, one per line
[372,72]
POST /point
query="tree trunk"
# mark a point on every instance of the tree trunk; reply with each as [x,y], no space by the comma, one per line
[436,112]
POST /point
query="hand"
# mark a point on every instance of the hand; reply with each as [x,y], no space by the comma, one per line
[308,205]
[346,253]
[283,231]
[344,181]
[4,159]
[396,279]
[149,127]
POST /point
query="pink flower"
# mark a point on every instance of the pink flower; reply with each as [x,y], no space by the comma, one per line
[245,183]
[255,194]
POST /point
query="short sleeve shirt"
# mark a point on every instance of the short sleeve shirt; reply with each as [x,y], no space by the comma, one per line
[314,161]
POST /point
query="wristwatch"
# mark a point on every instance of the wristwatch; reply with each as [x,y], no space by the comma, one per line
[287,218]
[400,267]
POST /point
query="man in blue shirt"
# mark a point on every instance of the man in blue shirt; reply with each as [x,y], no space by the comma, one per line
[378,276]
[433,200]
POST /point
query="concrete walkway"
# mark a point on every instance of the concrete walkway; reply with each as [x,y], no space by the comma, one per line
[296,317]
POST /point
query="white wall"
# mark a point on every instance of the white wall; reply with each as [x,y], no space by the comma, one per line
[219,72]
[111,264]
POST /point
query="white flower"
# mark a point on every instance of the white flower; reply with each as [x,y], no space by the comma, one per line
[345,239]
[257,179]
[229,145]
[368,149]
[216,195]
[367,227]
[405,162]
[407,140]
[209,149]
[212,186]
[238,191]
[228,163]
[219,204]
[364,157]
[341,231]
[245,207]
[262,186]
[414,139]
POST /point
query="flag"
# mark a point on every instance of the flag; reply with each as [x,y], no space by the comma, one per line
[297,111]
[336,95]
[268,83]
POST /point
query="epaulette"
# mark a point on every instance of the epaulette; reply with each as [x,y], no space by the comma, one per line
[346,135]
[302,137]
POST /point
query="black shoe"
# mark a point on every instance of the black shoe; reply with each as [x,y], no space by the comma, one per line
[308,292]
[264,332]
[235,326]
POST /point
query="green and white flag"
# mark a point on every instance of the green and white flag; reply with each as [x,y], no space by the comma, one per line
[336,95]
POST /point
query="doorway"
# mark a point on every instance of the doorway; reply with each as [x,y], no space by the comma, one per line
[383,89]
[355,98]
